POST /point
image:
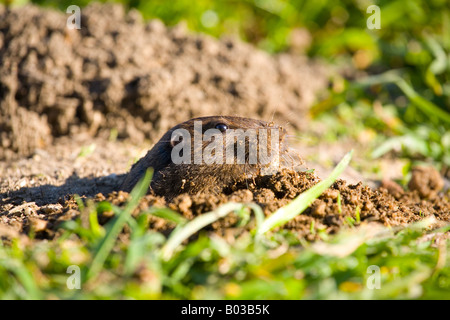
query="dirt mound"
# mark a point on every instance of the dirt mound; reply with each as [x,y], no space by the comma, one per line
[340,205]
[119,73]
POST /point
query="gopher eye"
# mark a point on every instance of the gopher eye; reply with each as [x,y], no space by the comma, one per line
[222,127]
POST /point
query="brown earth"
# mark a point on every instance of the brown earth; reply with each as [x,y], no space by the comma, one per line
[78,107]
[340,205]
[137,79]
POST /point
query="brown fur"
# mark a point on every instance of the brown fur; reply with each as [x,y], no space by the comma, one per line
[171,179]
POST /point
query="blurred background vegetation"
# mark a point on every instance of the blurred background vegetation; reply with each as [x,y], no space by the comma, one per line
[395,83]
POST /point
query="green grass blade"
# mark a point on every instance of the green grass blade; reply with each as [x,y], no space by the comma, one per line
[393,77]
[303,201]
[439,64]
[423,104]
[118,223]
[167,214]
[179,235]
[96,229]
[139,190]
[24,276]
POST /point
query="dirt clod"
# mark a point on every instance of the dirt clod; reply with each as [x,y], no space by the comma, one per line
[427,181]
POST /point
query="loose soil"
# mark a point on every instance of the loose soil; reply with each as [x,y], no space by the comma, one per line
[78,107]
[137,79]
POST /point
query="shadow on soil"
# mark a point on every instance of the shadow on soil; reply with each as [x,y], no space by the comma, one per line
[50,194]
